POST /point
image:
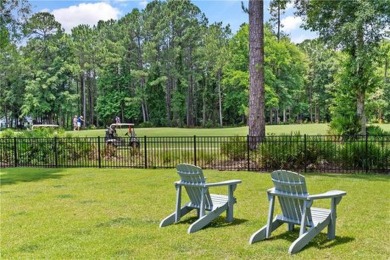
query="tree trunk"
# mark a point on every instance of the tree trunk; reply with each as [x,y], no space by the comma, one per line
[168,99]
[190,99]
[256,120]
[360,111]
[204,101]
[361,87]
[220,98]
[83,100]
[386,79]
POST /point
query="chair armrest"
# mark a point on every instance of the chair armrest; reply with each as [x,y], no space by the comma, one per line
[179,183]
[223,183]
[273,192]
[212,184]
[327,195]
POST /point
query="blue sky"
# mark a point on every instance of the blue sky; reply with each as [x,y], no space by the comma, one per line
[72,13]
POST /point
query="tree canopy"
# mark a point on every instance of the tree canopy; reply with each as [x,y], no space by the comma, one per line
[166,65]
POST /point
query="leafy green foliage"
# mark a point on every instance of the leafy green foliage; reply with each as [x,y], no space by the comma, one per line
[49,59]
[376,130]
[45,146]
[207,157]
[345,125]
[364,155]
[323,64]
[357,28]
[13,15]
[235,148]
[166,66]
[284,153]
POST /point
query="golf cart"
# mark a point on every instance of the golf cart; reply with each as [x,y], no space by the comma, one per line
[37,126]
[130,139]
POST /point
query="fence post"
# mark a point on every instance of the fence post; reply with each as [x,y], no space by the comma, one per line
[55,152]
[99,157]
[247,152]
[305,151]
[145,153]
[194,149]
[15,154]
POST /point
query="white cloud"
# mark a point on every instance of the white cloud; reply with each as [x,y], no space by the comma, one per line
[291,23]
[301,35]
[85,13]
[143,4]
[45,10]
[291,26]
[290,6]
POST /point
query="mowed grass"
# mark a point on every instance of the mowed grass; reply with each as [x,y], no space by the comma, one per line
[227,131]
[310,129]
[115,214]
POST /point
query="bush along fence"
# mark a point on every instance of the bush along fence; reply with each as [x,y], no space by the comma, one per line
[304,153]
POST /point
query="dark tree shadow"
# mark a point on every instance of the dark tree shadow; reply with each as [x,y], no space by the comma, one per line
[219,222]
[320,241]
[361,176]
[17,175]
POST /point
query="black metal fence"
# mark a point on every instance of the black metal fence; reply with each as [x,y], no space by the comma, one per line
[304,153]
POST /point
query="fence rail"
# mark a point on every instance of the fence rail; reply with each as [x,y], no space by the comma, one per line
[296,152]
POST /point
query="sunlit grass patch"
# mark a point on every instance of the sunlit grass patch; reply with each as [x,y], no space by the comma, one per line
[115,213]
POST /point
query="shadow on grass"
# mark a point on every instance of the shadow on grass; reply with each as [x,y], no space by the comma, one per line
[16,175]
[320,241]
[216,223]
[360,176]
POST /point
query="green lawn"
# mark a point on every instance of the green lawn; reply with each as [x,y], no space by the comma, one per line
[228,131]
[115,214]
[310,129]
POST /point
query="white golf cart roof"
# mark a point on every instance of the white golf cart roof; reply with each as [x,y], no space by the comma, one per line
[44,125]
[122,124]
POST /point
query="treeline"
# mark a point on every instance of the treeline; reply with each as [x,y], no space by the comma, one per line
[167,66]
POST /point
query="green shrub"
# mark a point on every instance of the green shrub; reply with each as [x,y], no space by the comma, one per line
[109,151]
[284,152]
[345,125]
[7,146]
[167,157]
[42,145]
[235,148]
[319,149]
[7,150]
[147,124]
[364,155]
[290,152]
[207,157]
[376,130]
[7,133]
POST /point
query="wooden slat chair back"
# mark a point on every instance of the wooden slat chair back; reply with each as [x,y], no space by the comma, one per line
[296,206]
[193,180]
[294,185]
[208,206]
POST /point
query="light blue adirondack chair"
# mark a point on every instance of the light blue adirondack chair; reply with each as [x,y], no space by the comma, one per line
[208,206]
[296,206]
